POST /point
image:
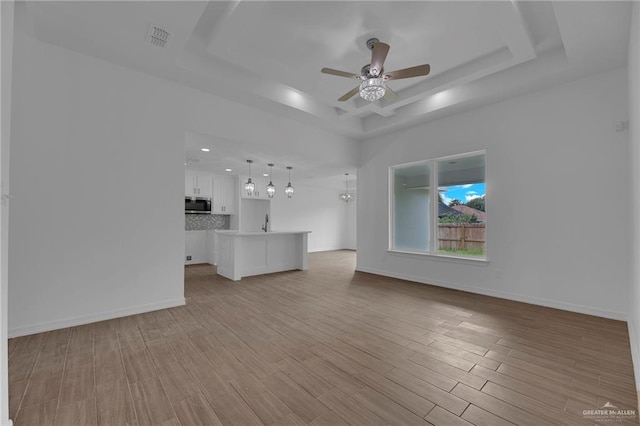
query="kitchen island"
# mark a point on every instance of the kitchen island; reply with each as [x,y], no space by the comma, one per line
[243,254]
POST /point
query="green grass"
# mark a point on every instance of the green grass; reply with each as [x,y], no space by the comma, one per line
[468,252]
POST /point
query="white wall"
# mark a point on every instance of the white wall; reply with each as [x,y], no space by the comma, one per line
[96,230]
[313,208]
[252,214]
[557,197]
[634,139]
[351,242]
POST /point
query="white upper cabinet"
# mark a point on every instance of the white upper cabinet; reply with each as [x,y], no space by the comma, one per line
[190,184]
[198,184]
[205,185]
[224,194]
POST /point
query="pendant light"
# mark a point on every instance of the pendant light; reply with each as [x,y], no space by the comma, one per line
[271,188]
[289,189]
[249,186]
[345,196]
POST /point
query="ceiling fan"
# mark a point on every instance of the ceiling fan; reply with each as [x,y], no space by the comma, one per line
[374,79]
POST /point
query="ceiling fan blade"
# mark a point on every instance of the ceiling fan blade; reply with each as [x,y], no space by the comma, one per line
[390,95]
[408,72]
[339,73]
[349,94]
[378,55]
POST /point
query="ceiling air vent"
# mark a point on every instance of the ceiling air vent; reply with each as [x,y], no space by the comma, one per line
[158,36]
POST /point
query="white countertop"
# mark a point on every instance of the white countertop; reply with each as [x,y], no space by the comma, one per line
[258,233]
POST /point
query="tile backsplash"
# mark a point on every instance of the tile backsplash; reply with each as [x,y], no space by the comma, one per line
[202,222]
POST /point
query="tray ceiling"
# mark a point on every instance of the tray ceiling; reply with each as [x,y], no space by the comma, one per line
[268,54]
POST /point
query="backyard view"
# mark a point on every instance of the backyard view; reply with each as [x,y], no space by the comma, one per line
[455,225]
[461,220]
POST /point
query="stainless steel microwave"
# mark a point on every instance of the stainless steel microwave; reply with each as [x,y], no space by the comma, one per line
[197,205]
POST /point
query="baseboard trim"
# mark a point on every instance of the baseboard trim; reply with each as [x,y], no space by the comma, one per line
[581,309]
[635,356]
[323,249]
[87,319]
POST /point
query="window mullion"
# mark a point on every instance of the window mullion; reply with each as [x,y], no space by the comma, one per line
[392,207]
[433,217]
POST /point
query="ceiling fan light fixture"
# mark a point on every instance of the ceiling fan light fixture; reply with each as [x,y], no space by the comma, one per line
[372,89]
[375,78]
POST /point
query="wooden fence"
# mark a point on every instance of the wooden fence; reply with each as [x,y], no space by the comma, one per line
[465,236]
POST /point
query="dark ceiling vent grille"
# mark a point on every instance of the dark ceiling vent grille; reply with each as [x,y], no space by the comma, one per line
[158,37]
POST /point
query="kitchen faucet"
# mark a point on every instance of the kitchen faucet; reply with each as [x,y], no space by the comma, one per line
[265,227]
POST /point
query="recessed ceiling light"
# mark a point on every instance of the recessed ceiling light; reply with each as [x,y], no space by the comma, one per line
[265,174]
[227,170]
[205,149]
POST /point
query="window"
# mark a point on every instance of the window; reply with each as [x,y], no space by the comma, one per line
[438,206]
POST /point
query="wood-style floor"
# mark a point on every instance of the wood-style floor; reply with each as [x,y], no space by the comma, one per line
[325,346]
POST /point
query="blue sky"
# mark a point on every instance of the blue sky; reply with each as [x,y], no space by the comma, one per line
[463,193]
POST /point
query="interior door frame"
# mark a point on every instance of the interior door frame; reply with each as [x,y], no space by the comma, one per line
[6,68]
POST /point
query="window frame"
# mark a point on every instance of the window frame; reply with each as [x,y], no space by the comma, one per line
[432,163]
